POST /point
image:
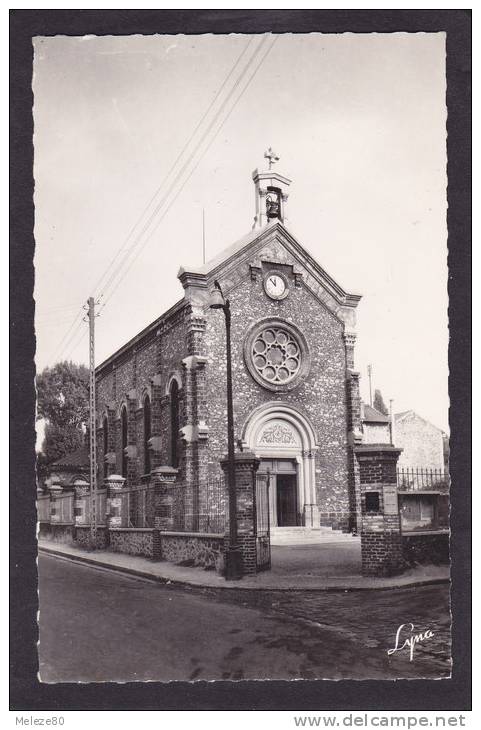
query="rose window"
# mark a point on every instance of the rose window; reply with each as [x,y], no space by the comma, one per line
[276,355]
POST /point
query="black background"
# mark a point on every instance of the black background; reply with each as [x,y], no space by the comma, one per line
[26,693]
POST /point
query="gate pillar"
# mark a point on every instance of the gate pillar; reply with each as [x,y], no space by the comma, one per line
[381,539]
[81,500]
[164,479]
[55,489]
[246,466]
[114,484]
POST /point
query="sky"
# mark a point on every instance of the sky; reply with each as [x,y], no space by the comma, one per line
[359,123]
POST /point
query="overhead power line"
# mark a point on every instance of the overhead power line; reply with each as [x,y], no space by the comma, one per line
[175,163]
[77,322]
[182,170]
[141,248]
[71,335]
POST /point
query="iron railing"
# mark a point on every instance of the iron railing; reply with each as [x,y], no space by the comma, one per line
[205,510]
[137,506]
[62,508]
[263,527]
[422,479]
[43,508]
[100,506]
[202,508]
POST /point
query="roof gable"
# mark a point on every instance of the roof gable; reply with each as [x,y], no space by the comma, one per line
[75,460]
[372,415]
[272,244]
[414,417]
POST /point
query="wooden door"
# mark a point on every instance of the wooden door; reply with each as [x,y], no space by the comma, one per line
[286,500]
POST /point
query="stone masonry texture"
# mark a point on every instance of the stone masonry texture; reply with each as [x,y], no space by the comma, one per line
[421,441]
[188,344]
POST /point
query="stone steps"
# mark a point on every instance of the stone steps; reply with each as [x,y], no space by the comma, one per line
[308,536]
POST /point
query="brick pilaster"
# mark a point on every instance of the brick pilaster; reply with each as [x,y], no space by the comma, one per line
[110,456]
[156,422]
[114,485]
[246,466]
[81,503]
[354,438]
[166,488]
[133,475]
[55,491]
[381,539]
[349,342]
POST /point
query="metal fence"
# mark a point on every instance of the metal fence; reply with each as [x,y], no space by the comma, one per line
[263,528]
[101,506]
[43,508]
[207,509]
[62,508]
[137,506]
[421,479]
[203,508]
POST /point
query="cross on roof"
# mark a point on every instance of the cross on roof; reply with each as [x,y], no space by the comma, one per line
[271,156]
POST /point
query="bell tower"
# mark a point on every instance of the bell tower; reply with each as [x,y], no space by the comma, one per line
[271,191]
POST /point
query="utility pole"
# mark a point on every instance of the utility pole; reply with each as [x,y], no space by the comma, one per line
[369,373]
[203,235]
[391,421]
[92,423]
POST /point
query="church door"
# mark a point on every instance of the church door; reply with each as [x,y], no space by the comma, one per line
[286,500]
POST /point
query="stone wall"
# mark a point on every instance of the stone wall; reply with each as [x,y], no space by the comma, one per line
[136,541]
[194,549]
[145,369]
[320,396]
[55,532]
[82,537]
[426,548]
[189,344]
[183,548]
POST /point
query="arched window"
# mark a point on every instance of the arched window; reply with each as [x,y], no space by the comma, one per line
[123,428]
[147,434]
[174,423]
[106,444]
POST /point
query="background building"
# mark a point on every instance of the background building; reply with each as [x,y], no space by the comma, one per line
[421,442]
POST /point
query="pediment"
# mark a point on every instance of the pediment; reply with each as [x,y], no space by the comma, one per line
[273,244]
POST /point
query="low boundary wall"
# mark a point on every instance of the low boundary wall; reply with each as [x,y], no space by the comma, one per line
[62,532]
[197,549]
[205,550]
[82,536]
[132,541]
[426,547]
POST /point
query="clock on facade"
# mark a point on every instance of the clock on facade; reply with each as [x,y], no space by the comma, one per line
[275,285]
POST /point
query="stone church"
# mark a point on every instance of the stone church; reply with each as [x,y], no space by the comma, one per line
[162,396]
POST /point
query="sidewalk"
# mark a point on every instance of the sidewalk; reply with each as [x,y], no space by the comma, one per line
[307,568]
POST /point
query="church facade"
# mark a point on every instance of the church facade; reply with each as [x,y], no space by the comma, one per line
[161,398]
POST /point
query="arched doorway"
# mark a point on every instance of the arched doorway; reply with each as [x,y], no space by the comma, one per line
[284,440]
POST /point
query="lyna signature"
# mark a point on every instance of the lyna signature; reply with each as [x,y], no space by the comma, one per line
[407,639]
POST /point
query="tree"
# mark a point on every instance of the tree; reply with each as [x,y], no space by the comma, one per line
[379,404]
[63,401]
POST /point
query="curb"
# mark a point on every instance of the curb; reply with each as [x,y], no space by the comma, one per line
[238,585]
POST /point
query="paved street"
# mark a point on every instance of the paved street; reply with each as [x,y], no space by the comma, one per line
[96,625]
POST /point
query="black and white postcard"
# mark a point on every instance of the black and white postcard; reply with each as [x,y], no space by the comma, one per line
[246,466]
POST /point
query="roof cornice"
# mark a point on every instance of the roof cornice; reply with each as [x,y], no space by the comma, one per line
[257,238]
[139,339]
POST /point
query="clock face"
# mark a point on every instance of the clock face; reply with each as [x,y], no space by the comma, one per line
[275,286]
